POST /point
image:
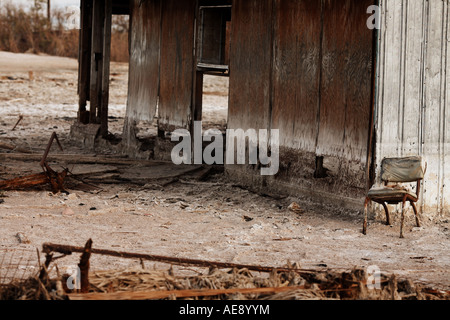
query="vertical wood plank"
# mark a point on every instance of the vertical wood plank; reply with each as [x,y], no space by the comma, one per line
[413,79]
[177,64]
[105,68]
[145,37]
[446,101]
[84,59]
[250,65]
[96,59]
[296,72]
[389,120]
[198,100]
[359,77]
[432,148]
[346,81]
[420,115]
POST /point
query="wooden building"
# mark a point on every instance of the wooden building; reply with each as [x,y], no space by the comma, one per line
[343,96]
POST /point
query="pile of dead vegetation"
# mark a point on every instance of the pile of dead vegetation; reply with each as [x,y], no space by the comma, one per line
[216,284]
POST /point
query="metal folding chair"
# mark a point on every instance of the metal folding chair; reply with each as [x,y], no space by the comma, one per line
[398,171]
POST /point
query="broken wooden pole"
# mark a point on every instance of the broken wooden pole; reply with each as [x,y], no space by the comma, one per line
[84,267]
[34,180]
[55,179]
[43,274]
[49,247]
[24,182]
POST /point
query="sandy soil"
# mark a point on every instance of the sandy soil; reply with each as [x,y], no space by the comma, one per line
[211,220]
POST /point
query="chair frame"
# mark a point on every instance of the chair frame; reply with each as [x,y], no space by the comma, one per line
[407,197]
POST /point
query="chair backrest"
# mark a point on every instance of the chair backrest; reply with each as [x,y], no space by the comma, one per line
[407,169]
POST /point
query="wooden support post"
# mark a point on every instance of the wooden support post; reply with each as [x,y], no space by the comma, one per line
[106,68]
[84,60]
[84,267]
[98,17]
[48,11]
[198,96]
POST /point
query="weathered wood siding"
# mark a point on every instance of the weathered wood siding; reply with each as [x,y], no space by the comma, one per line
[161,62]
[346,80]
[412,109]
[251,60]
[84,59]
[296,77]
[177,64]
[305,67]
[143,81]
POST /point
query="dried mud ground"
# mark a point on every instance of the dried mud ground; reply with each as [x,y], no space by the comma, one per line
[211,220]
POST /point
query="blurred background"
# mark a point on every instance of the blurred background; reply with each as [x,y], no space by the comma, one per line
[52,27]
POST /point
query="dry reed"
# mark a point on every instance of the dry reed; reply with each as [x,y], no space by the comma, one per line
[29,31]
[217,284]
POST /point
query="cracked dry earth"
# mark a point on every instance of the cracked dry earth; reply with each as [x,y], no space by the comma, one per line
[210,220]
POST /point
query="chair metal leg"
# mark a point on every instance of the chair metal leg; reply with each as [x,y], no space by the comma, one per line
[416,213]
[365,215]
[403,217]
[386,210]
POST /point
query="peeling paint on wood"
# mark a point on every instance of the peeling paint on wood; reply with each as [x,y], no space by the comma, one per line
[413,90]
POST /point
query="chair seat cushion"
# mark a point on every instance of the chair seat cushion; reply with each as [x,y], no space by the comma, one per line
[390,194]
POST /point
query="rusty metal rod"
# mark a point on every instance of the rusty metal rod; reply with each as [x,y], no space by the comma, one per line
[66,249]
[17,123]
[47,150]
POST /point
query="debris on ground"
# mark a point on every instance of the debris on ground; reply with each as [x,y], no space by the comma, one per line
[220,282]
[295,207]
[216,284]
[48,176]
[22,238]
[12,147]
